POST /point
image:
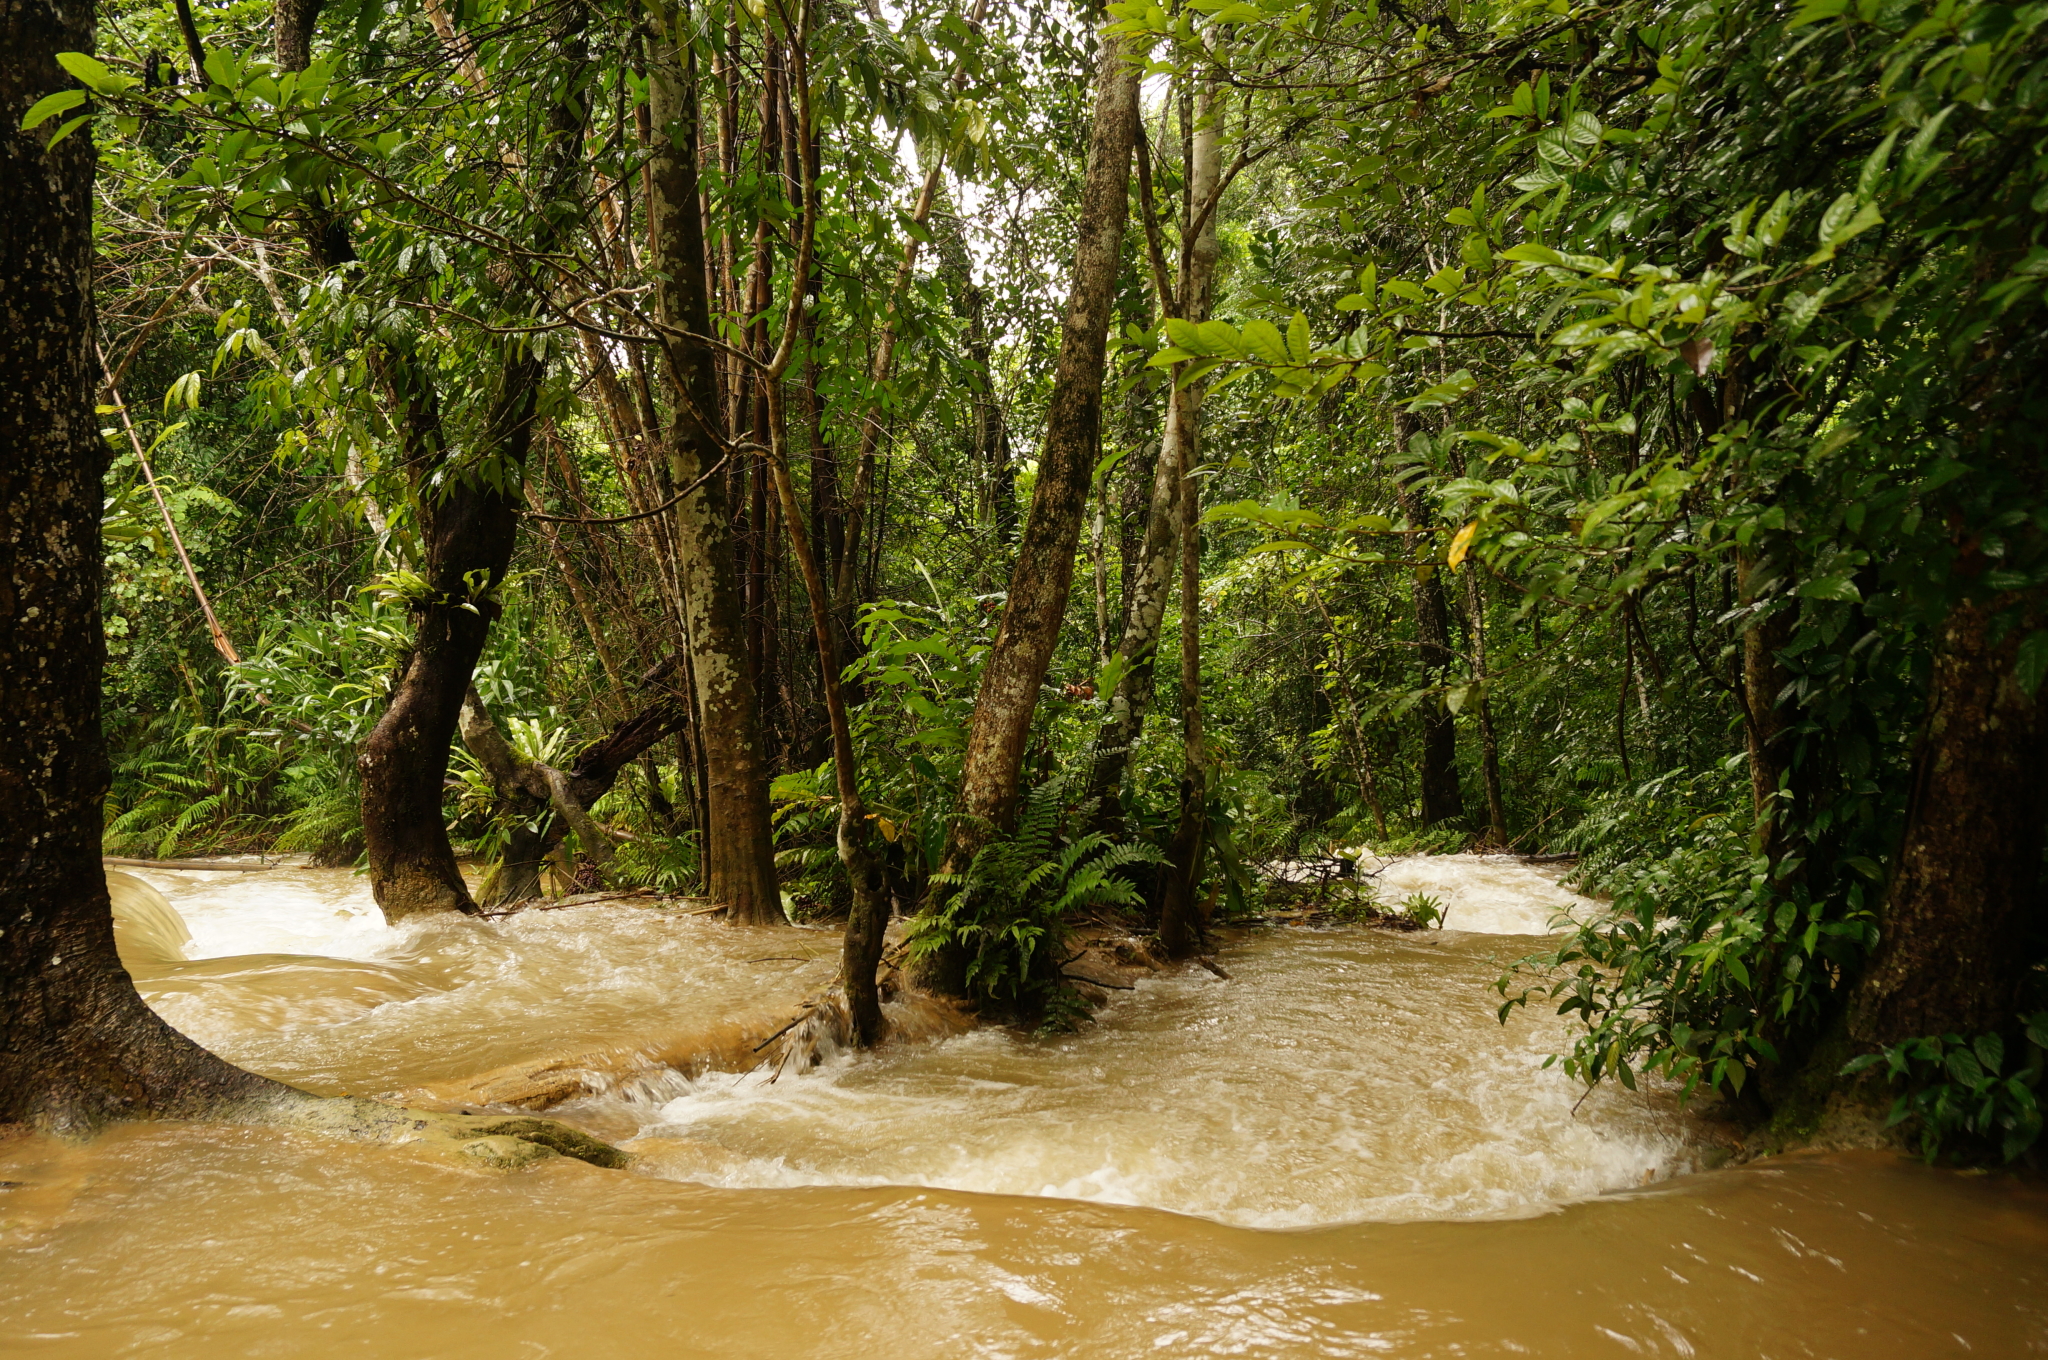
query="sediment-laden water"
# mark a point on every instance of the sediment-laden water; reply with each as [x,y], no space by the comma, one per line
[1335,1151]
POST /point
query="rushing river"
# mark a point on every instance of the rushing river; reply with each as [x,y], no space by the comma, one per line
[1336,1151]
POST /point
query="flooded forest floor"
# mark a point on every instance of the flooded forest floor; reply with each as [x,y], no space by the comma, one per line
[1326,1145]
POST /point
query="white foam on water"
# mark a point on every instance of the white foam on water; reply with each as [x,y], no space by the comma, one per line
[1482,894]
[1339,1077]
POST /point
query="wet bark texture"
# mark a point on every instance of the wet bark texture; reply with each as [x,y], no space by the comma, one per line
[1442,799]
[470,531]
[1044,571]
[1764,719]
[469,523]
[1966,889]
[77,1045]
[738,852]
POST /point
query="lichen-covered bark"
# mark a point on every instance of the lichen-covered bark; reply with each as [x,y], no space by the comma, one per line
[1966,889]
[739,854]
[1044,571]
[77,1045]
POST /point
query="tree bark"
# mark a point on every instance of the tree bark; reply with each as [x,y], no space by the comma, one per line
[1764,719]
[738,850]
[530,788]
[77,1045]
[1489,745]
[470,533]
[1044,571]
[1966,889]
[1442,799]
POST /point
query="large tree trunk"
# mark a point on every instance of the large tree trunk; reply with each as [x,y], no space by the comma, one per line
[738,850]
[77,1045]
[1966,890]
[1044,570]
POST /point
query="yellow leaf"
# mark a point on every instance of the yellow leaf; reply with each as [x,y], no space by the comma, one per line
[1462,544]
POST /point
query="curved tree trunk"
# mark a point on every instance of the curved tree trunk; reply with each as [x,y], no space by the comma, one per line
[470,517]
[404,763]
[739,851]
[1044,569]
[77,1044]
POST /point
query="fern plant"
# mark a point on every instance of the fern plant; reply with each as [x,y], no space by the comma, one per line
[1009,910]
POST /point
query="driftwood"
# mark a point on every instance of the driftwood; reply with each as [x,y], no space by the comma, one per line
[211,866]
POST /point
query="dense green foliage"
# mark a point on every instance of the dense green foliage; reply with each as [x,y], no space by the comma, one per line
[1679,348]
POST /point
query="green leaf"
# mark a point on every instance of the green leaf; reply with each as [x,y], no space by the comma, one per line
[1445,392]
[1221,339]
[1187,336]
[67,129]
[93,74]
[1446,280]
[2033,661]
[49,106]
[1831,588]
[1262,338]
[1298,339]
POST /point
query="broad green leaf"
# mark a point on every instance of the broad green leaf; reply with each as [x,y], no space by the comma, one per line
[94,75]
[1262,339]
[1831,588]
[1443,393]
[1298,339]
[1220,338]
[2033,661]
[49,106]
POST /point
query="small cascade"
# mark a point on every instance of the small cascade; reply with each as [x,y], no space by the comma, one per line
[147,929]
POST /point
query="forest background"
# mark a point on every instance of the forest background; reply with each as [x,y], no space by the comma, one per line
[1607,428]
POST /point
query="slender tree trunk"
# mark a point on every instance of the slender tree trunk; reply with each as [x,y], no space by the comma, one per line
[1044,571]
[739,851]
[1965,893]
[1152,584]
[1179,927]
[1368,780]
[1764,720]
[861,947]
[1442,799]
[77,1045]
[1489,746]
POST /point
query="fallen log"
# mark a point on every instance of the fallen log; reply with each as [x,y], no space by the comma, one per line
[197,865]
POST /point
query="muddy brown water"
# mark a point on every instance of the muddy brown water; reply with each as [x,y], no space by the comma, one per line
[1336,1152]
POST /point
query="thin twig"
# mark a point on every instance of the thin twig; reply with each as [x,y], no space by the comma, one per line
[716,468]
